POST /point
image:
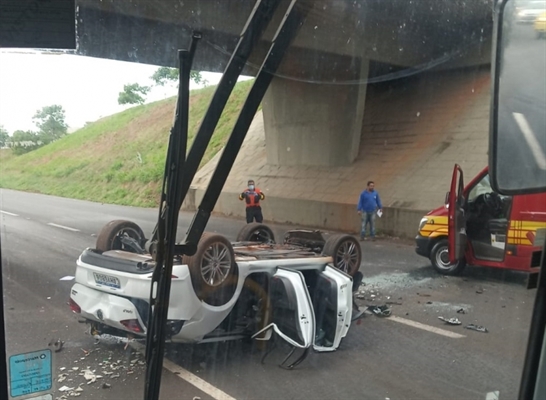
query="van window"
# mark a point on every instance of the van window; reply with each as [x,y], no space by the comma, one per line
[483,186]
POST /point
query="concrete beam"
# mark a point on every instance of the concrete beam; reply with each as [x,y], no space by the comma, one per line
[313,123]
[421,33]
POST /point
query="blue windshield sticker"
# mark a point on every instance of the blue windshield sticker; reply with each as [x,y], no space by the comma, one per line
[30,373]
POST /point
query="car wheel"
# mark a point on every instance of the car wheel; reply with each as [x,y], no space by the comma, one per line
[256,232]
[346,252]
[120,235]
[213,269]
[439,258]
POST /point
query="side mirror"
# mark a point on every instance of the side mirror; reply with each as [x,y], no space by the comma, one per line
[446,201]
[517,141]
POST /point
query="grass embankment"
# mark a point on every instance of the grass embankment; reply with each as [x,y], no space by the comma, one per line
[118,159]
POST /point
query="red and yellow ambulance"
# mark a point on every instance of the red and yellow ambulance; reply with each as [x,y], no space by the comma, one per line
[478,226]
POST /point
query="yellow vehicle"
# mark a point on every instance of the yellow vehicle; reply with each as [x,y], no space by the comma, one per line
[540,25]
[496,231]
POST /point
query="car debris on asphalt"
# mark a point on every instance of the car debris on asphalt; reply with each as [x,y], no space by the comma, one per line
[477,328]
[57,344]
[450,321]
[380,311]
[108,370]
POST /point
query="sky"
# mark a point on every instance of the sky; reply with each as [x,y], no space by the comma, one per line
[86,87]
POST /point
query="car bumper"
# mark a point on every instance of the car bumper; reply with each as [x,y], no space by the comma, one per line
[105,308]
[422,246]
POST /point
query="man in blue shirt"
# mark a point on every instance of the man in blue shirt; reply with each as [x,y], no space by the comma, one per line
[368,203]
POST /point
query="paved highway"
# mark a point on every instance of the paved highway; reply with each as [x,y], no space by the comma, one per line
[411,355]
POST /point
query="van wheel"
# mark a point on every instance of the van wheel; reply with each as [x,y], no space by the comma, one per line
[346,252]
[213,269]
[120,235]
[439,257]
[256,232]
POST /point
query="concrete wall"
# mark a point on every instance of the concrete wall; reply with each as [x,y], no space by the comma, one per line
[318,214]
[413,132]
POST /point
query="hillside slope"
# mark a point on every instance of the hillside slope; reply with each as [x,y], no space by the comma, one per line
[118,159]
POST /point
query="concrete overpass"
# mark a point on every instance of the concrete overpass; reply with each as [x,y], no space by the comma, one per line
[313,111]
[389,90]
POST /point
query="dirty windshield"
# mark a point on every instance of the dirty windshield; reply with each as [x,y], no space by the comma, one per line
[308,147]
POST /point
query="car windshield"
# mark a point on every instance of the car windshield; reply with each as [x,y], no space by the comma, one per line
[301,240]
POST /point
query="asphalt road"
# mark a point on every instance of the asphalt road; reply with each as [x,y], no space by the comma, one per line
[410,355]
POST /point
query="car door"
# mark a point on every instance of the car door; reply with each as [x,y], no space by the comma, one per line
[292,316]
[457,238]
[332,304]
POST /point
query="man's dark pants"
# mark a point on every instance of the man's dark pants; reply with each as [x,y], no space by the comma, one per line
[254,213]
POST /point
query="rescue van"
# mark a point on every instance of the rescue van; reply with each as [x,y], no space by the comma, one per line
[478,226]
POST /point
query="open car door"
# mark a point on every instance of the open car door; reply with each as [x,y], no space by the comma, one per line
[292,316]
[457,224]
[333,305]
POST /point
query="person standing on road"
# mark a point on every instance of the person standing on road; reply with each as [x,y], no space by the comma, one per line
[252,196]
[368,204]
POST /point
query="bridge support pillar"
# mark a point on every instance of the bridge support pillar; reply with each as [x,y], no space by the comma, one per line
[314,123]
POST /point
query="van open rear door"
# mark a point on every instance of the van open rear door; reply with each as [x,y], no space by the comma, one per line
[457,224]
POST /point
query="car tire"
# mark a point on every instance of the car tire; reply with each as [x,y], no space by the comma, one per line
[213,270]
[439,258]
[110,236]
[346,252]
[256,232]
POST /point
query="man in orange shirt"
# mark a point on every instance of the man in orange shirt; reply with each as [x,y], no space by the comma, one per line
[252,196]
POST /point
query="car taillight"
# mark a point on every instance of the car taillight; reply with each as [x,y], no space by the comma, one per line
[74,306]
[132,325]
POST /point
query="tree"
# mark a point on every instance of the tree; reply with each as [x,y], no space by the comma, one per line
[50,121]
[4,136]
[133,93]
[164,75]
[25,141]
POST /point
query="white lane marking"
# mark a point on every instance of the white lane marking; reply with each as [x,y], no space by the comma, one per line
[192,379]
[63,227]
[424,327]
[531,139]
[8,213]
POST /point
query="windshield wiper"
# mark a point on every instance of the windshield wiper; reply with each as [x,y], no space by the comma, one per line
[167,224]
[176,183]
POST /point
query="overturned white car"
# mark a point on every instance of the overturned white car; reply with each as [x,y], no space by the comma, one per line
[300,289]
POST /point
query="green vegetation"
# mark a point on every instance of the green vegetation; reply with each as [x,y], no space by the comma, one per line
[117,159]
[50,121]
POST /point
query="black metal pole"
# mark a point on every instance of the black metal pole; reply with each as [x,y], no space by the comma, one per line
[3,355]
[256,24]
[292,21]
[168,222]
[537,336]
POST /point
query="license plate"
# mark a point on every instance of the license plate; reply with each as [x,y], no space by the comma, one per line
[107,280]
